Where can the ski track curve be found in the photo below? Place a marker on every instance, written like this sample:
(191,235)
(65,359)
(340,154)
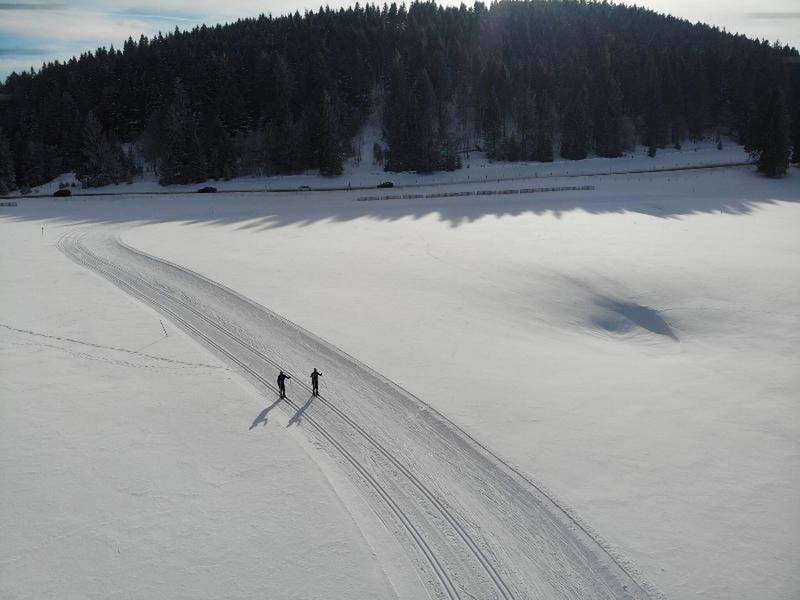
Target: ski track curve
(473,526)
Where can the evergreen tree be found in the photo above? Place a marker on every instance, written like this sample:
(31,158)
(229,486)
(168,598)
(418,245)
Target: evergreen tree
(220,151)
(543,150)
(655,114)
(229,104)
(30,164)
(674,105)
(608,110)
(575,131)
(492,124)
(70,130)
(528,128)
(101,163)
(422,119)
(698,96)
(7,177)
(330,158)
(253,88)
(796,134)
(768,139)
(282,131)
(395,112)
(182,158)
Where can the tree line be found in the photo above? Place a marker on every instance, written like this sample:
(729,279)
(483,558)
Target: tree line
(520,80)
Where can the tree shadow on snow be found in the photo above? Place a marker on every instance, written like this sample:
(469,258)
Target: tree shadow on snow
(735,190)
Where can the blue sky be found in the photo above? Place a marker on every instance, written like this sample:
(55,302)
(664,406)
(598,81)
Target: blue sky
(32,32)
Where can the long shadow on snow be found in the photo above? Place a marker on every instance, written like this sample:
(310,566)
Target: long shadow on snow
(262,417)
(737,191)
(296,417)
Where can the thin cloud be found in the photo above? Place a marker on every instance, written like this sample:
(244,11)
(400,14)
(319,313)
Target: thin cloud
(76,30)
(774,15)
(23,51)
(30,6)
(155,17)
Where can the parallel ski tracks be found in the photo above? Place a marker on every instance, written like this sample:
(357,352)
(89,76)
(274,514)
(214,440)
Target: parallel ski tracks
(70,245)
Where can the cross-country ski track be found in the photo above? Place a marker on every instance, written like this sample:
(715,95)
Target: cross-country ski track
(473,526)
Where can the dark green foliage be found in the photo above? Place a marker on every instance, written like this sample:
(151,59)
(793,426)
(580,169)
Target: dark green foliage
(698,95)
(220,151)
(492,124)
(102,159)
(413,126)
(7,177)
(796,134)
(423,123)
(543,145)
(330,158)
(768,139)
(182,156)
(282,133)
(655,113)
(608,111)
(30,166)
(575,136)
(394,115)
(513,78)
(528,126)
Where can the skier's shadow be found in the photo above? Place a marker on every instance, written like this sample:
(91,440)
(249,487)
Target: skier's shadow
(296,417)
(262,417)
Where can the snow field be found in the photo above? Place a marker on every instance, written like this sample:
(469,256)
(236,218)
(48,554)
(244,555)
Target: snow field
(137,465)
(632,348)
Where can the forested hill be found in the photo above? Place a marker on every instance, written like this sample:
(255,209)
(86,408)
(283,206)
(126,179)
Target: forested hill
(520,80)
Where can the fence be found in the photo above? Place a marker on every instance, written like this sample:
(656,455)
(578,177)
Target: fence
(534,190)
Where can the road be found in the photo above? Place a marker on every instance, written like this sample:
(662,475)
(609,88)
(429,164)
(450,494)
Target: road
(472,525)
(402,186)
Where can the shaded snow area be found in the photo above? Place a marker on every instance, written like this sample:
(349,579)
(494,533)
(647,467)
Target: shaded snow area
(631,349)
(363,173)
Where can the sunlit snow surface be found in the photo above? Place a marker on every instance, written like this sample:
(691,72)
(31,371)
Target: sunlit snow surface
(633,348)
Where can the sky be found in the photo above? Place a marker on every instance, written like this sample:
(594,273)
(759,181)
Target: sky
(34,32)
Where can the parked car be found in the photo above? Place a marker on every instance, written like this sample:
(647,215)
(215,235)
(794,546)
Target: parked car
(209,189)
(386,184)
(60,193)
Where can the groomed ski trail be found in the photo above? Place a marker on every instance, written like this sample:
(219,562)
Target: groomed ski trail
(473,526)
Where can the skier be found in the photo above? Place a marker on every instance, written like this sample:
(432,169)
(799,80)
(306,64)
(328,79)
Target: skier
(315,375)
(282,377)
